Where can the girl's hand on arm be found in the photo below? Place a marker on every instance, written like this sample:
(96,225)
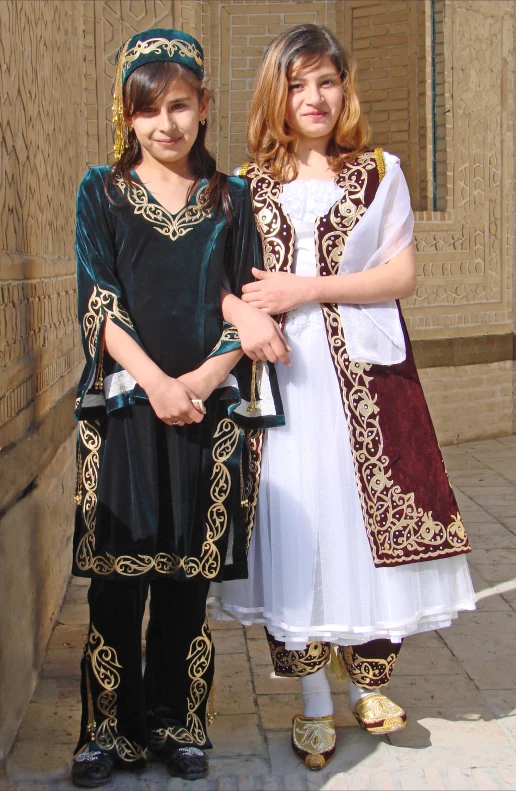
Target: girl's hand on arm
(170,398)
(276,292)
(260,335)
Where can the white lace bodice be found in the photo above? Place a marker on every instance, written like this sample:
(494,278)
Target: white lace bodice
(304,202)
(307,200)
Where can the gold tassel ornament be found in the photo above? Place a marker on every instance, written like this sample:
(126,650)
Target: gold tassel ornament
(337,667)
(211,705)
(253,404)
(121,129)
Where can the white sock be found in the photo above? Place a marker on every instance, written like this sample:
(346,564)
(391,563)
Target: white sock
(355,693)
(316,695)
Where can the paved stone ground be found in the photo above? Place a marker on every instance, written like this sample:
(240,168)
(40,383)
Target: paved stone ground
(458,686)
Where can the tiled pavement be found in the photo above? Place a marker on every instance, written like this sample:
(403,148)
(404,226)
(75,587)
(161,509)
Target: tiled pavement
(458,686)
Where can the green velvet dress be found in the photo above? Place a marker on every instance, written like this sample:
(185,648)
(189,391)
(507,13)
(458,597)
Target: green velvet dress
(156,500)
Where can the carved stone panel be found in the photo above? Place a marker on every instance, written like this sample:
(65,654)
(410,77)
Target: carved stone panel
(42,156)
(464,281)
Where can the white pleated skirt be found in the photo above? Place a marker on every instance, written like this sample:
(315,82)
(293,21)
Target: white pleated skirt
(311,573)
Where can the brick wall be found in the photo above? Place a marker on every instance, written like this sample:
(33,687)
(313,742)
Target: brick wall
(382,37)
(460,398)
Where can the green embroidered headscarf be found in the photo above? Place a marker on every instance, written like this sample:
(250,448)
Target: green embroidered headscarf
(157,44)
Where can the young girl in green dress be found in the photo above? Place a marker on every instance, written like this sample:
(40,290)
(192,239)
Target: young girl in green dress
(161,468)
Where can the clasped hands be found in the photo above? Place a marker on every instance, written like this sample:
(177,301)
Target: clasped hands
(273,293)
(175,401)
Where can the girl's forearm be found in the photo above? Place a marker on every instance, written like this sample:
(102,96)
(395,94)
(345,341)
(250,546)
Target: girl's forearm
(216,369)
(394,280)
(232,307)
(130,356)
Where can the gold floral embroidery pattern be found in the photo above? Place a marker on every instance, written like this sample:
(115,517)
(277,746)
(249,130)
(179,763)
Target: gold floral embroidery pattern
(275,228)
(346,212)
(159,45)
(367,672)
(380,162)
(377,714)
(105,665)
(200,655)
(167,224)
(229,335)
(200,652)
(226,436)
(298,663)
(397,529)
(102,302)
(314,736)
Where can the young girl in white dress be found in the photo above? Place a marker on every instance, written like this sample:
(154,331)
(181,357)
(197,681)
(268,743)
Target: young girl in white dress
(358,541)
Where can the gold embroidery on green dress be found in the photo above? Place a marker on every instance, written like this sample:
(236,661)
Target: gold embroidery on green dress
(159,45)
(172,225)
(105,666)
(208,565)
(229,335)
(194,733)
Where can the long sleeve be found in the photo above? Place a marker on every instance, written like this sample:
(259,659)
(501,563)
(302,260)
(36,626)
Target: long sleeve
(99,291)
(259,403)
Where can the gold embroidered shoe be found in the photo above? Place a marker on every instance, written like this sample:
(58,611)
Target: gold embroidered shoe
(378,714)
(313,739)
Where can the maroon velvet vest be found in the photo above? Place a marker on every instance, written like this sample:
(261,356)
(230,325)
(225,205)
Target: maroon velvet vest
(409,510)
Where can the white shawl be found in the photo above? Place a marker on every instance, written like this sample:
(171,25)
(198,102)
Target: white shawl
(373,332)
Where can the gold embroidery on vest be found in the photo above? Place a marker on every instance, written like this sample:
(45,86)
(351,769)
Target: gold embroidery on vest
(249,495)
(346,212)
(380,162)
(275,227)
(397,529)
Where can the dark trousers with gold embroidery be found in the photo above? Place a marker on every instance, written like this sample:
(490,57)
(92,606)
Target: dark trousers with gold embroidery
(369,665)
(124,710)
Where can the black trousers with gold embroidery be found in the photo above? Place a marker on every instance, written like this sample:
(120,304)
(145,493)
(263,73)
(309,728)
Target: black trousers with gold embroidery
(369,665)
(124,710)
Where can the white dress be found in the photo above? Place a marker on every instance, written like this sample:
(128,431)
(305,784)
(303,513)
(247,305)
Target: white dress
(311,573)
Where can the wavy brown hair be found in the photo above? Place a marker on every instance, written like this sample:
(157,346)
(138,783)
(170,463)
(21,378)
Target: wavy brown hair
(144,87)
(269,137)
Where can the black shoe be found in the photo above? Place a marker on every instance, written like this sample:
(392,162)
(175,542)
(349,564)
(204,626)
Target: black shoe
(190,763)
(92,768)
